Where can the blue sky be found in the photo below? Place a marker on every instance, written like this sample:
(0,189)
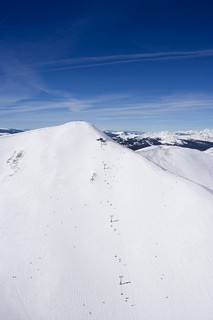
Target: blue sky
(138,65)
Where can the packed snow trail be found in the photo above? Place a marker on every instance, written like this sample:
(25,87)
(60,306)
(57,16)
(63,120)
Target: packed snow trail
(91,230)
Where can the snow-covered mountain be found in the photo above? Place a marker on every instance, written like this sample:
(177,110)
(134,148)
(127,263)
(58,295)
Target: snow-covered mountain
(91,230)
(200,140)
(191,164)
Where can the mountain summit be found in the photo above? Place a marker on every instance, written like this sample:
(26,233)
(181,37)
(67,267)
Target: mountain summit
(91,230)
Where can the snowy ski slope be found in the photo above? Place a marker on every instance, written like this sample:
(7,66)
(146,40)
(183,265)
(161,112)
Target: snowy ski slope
(91,230)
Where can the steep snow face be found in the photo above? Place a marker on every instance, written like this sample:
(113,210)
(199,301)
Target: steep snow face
(90,230)
(191,164)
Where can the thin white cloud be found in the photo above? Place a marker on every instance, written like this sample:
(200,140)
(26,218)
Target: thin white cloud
(67,103)
(114,106)
(84,62)
(17,81)
(21,85)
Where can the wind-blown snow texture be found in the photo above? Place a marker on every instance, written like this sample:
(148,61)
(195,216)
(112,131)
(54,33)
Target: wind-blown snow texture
(191,164)
(77,213)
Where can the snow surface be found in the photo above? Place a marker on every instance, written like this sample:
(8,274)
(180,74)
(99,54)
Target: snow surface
(191,164)
(76,213)
(209,151)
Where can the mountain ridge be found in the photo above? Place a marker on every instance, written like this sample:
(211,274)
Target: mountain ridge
(91,230)
(200,140)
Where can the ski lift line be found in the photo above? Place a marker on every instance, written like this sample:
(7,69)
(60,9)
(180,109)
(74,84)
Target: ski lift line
(124,269)
(111,219)
(121,281)
(114,221)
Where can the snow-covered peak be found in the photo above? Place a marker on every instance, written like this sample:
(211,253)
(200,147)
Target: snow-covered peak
(172,137)
(91,230)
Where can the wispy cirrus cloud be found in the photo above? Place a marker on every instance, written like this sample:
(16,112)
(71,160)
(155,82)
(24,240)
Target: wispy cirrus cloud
(17,81)
(84,62)
(66,102)
(21,84)
(115,106)
(24,93)
(158,107)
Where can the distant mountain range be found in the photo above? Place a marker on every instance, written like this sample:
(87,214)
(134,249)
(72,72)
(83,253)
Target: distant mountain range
(200,140)
(4,131)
